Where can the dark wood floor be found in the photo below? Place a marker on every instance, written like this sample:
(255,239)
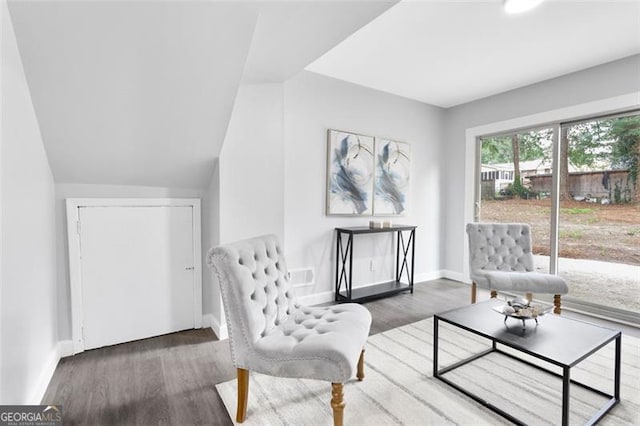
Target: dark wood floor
(171,379)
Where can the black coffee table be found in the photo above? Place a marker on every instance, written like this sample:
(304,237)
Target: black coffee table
(557,340)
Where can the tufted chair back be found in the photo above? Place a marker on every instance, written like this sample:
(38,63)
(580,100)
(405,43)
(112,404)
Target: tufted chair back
(256,290)
(500,247)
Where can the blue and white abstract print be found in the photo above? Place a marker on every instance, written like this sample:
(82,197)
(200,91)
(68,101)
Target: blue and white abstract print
(393,164)
(351,172)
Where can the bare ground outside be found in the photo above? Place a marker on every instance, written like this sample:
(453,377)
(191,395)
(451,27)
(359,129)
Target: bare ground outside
(606,232)
(594,232)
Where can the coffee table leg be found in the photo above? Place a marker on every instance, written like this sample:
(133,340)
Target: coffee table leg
(566,380)
(435,346)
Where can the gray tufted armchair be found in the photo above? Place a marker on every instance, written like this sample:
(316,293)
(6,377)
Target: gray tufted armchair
(500,259)
(270,333)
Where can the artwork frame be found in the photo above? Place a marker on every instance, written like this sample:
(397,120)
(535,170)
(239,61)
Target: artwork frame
(392,189)
(350,173)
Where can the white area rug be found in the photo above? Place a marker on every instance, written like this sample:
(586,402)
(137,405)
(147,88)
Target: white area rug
(399,387)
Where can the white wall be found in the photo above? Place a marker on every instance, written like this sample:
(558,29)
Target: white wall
(211,299)
(593,91)
(272,173)
(68,190)
(315,103)
(28,334)
(251,165)
(3,7)
(245,195)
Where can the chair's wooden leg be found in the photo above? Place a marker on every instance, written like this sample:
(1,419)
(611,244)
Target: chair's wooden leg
(243,394)
(337,403)
(360,374)
(556,304)
(529,296)
(494,294)
(474,289)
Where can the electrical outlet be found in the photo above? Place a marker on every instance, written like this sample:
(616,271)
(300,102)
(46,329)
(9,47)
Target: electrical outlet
(372,265)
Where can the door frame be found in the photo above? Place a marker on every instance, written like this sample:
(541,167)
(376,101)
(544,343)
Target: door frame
(75,273)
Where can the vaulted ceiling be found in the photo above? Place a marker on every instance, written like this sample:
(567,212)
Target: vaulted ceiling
(141,92)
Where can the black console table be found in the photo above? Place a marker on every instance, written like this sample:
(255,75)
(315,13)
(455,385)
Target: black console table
(405,242)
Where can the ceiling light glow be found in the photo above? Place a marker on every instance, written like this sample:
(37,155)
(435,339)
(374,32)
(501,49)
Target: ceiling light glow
(518,6)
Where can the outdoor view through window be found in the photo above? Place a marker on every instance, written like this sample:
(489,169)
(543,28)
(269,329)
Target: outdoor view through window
(599,204)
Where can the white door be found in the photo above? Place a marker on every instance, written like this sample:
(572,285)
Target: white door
(137,272)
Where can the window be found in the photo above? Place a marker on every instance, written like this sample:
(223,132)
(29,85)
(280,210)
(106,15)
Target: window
(595,242)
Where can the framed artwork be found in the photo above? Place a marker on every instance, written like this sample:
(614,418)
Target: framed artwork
(350,173)
(392,173)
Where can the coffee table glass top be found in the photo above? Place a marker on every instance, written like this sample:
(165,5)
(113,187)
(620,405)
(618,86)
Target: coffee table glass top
(557,339)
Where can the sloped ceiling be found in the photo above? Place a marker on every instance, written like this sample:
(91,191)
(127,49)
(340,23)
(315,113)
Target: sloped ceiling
(446,53)
(290,35)
(141,93)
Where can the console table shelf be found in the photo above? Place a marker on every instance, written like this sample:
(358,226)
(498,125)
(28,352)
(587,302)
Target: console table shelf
(405,246)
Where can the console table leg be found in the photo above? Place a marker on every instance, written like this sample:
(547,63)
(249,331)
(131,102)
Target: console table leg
(413,255)
(350,283)
(338,250)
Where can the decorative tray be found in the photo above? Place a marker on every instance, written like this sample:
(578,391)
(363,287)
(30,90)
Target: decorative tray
(522,309)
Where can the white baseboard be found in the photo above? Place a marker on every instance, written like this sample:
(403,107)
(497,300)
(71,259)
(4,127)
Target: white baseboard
(455,276)
(207,320)
(65,348)
(427,276)
(60,350)
(220,330)
(328,296)
(317,298)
